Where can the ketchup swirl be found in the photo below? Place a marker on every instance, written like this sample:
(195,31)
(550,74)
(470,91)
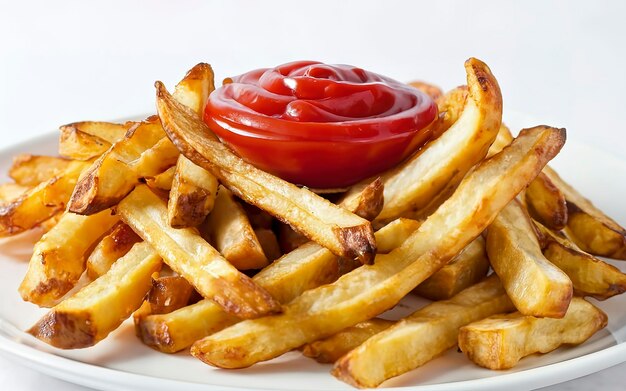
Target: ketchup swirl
(319,103)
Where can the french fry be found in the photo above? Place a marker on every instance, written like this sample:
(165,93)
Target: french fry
(499,342)
(41,202)
(99,308)
(503,139)
(192,194)
(304,268)
(88,140)
(420,337)
(143,152)
(31,170)
(168,293)
(464,270)
(269,243)
(288,239)
(546,202)
(590,276)
(450,107)
(371,289)
(47,225)
(368,202)
(193,258)
(394,234)
(330,349)
(113,245)
(162,181)
(11,191)
(516,257)
(229,230)
(344,233)
(59,256)
(588,226)
(258,218)
(445,160)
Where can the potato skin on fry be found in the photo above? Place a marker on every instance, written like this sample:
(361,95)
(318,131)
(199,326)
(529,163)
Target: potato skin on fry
(115,244)
(371,289)
(546,202)
(93,312)
(499,342)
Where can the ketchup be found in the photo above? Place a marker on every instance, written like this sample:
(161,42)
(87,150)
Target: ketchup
(319,125)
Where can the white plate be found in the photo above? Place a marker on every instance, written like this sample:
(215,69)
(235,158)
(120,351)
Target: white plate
(121,362)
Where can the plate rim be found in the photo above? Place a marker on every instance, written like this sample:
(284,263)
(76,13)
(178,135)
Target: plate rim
(100,377)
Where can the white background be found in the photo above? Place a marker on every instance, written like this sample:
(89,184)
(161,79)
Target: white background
(562,62)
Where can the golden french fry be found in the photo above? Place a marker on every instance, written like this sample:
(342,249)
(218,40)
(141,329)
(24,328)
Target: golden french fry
(420,337)
(31,170)
(162,181)
(466,269)
(304,268)
(269,243)
(371,289)
(503,139)
(335,228)
(113,245)
(193,258)
(516,257)
(546,202)
(88,140)
(444,161)
(590,276)
(47,225)
(168,293)
(229,230)
(41,202)
(450,107)
(10,192)
(368,202)
(99,308)
(499,342)
(588,226)
(192,194)
(330,349)
(394,234)
(143,152)
(59,256)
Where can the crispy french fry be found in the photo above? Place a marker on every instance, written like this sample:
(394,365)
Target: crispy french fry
(466,269)
(330,349)
(516,257)
(47,225)
(394,234)
(192,195)
(588,226)
(420,337)
(335,228)
(162,181)
(304,268)
(229,230)
(499,342)
(143,152)
(269,243)
(546,202)
(31,170)
(372,289)
(88,140)
(368,202)
(113,245)
(503,139)
(99,308)
(590,276)
(41,202)
(444,161)
(11,191)
(450,107)
(193,258)
(168,293)
(58,258)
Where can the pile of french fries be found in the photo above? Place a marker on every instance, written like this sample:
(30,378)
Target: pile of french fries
(160,221)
